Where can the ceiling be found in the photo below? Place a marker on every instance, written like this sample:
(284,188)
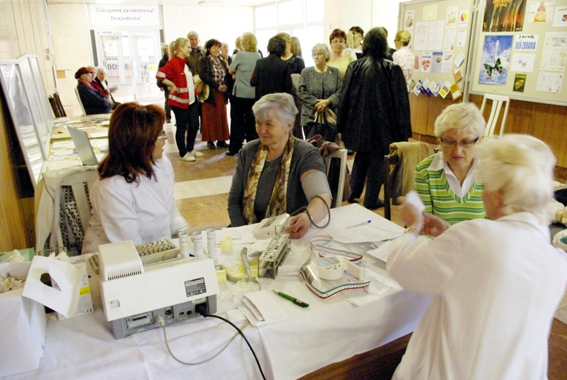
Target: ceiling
(216,3)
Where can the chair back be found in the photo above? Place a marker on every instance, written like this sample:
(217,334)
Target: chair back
(80,101)
(341,155)
(63,208)
(399,170)
(497,102)
(59,105)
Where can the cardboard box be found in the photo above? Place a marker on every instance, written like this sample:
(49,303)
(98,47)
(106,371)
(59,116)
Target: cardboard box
(22,315)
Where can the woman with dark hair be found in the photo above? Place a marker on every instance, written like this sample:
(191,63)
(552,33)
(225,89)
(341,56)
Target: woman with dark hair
(93,101)
(133,197)
(357,37)
(272,74)
(339,57)
(373,113)
(213,71)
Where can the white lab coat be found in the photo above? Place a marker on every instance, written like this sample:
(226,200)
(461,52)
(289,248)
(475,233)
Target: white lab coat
(496,286)
(143,212)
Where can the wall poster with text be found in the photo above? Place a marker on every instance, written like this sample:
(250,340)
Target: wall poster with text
(504,16)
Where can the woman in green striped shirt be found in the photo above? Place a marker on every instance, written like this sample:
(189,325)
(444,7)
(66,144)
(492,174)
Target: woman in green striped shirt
(445,181)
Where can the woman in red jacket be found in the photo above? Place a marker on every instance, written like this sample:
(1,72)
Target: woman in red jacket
(179,80)
(214,72)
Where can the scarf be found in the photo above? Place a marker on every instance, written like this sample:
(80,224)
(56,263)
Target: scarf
(217,70)
(87,83)
(278,200)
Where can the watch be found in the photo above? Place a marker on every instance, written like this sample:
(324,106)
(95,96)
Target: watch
(409,229)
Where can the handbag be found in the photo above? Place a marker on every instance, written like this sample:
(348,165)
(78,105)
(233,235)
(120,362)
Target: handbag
(324,124)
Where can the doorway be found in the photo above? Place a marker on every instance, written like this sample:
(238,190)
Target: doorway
(131,59)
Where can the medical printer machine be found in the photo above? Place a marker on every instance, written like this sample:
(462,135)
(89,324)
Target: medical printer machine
(135,289)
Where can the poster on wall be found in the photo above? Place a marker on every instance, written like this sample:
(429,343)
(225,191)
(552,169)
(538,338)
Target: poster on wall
(504,16)
(495,60)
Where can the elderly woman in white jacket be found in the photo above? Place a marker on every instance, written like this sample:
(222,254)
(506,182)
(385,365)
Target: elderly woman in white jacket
(133,197)
(495,284)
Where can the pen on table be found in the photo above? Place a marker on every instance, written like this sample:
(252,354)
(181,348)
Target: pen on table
(292,299)
(360,224)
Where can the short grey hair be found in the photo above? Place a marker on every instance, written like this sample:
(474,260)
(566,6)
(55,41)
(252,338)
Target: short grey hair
(192,33)
(522,167)
(100,69)
(280,105)
(323,49)
(461,116)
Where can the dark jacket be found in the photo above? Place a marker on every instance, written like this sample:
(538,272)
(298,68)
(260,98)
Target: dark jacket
(194,59)
(271,75)
(161,64)
(93,101)
(374,106)
(205,73)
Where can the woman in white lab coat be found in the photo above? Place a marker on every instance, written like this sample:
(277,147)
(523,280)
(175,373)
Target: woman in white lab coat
(133,198)
(495,284)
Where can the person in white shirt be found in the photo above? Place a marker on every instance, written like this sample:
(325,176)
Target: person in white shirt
(133,197)
(403,56)
(495,284)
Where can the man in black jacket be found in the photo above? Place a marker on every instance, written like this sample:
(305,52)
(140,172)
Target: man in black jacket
(373,113)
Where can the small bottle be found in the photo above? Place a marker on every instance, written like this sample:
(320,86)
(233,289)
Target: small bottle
(198,244)
(212,244)
(184,243)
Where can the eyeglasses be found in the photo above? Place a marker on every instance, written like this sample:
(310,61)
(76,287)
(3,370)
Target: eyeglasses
(462,143)
(338,41)
(162,135)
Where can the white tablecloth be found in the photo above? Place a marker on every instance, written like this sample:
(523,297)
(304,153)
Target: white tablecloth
(327,331)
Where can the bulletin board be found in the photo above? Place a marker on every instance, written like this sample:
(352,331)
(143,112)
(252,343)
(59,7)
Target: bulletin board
(521,51)
(440,41)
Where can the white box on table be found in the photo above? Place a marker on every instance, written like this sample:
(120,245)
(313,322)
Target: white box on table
(22,312)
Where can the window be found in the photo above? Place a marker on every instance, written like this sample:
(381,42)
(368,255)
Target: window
(300,18)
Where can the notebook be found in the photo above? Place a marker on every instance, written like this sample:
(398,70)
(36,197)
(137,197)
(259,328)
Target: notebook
(83,146)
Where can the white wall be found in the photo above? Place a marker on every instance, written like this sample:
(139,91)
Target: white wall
(221,23)
(370,13)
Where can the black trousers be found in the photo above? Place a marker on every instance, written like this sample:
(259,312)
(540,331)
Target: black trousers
(242,123)
(367,167)
(187,121)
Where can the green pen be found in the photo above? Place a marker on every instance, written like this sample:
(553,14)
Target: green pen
(292,299)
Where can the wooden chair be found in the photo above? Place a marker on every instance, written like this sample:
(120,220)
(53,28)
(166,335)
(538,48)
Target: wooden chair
(399,170)
(59,105)
(497,101)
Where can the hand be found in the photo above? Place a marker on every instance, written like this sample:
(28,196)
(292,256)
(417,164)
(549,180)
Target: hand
(410,215)
(434,225)
(222,88)
(161,89)
(322,104)
(298,226)
(172,88)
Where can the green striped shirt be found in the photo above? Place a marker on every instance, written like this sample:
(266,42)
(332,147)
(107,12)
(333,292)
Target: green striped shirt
(438,198)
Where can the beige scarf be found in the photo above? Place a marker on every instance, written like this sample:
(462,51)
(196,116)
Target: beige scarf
(278,200)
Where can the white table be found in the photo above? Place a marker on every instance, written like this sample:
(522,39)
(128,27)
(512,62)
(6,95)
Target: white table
(326,332)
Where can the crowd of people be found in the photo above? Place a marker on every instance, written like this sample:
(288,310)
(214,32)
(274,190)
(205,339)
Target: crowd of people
(493,298)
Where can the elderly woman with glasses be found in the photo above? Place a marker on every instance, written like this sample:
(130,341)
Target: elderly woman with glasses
(494,284)
(278,173)
(445,181)
(133,197)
